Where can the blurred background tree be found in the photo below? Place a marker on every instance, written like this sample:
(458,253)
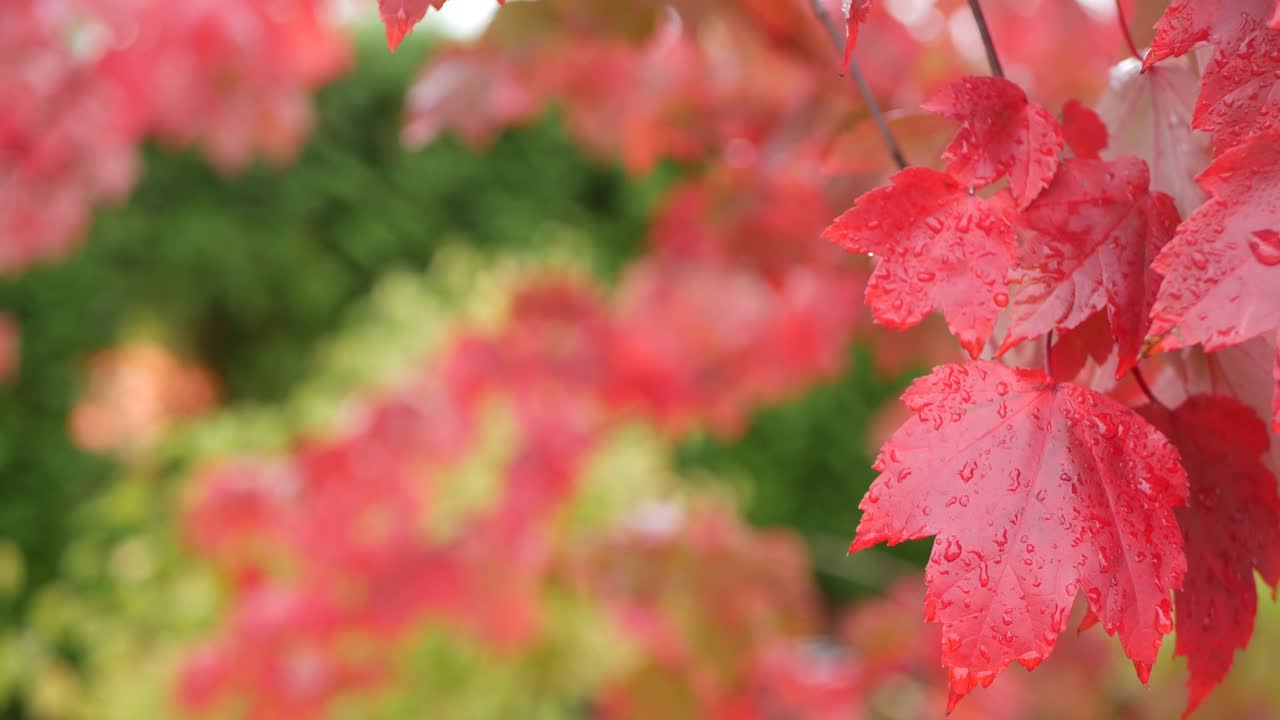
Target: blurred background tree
(248,275)
(279,321)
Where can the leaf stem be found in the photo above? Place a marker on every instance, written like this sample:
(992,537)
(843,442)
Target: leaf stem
(895,150)
(981,19)
(1124,30)
(1146,389)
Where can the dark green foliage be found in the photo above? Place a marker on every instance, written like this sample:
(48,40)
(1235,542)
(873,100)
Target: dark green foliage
(805,465)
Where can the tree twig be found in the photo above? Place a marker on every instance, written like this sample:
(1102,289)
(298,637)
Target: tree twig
(1124,29)
(895,150)
(981,19)
(1146,389)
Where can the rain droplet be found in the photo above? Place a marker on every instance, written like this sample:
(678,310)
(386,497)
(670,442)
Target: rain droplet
(1058,620)
(1265,245)
(1030,659)
(952,551)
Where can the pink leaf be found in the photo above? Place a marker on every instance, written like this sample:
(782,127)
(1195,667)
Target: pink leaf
(1148,114)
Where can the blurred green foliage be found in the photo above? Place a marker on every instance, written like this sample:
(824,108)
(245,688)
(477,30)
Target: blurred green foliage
(106,638)
(248,272)
(805,465)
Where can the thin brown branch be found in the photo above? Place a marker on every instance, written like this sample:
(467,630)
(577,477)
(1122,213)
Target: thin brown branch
(1124,30)
(981,20)
(873,106)
(1146,389)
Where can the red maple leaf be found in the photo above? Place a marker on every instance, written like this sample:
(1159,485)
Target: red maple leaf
(1188,23)
(1084,131)
(856,12)
(1001,133)
(939,247)
(1036,492)
(1239,95)
(1094,233)
(1231,527)
(1222,269)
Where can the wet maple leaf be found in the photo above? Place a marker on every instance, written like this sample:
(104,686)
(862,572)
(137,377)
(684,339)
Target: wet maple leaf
(1149,114)
(1230,528)
(1188,23)
(1001,133)
(1093,235)
(1083,130)
(1239,95)
(1035,492)
(1222,268)
(939,247)
(856,12)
